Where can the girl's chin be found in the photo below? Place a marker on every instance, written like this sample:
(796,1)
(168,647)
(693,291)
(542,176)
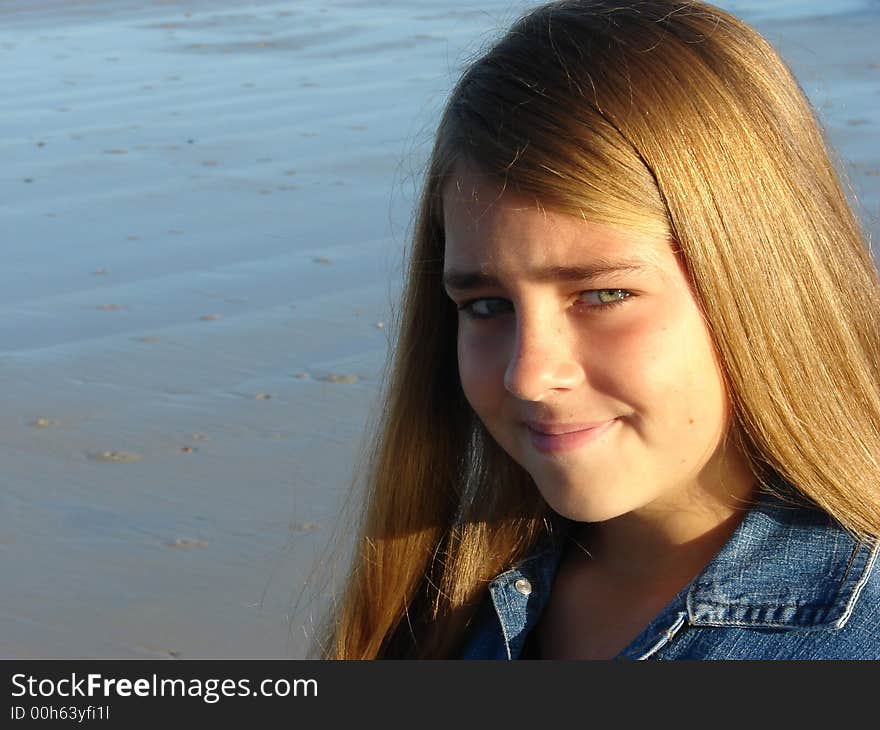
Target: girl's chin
(570,503)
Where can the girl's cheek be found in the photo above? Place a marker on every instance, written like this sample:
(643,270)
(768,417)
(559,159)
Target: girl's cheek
(672,360)
(482,360)
(483,342)
(635,348)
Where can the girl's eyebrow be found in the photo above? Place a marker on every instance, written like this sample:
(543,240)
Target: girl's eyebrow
(469,280)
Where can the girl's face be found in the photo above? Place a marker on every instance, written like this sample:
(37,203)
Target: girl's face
(583,351)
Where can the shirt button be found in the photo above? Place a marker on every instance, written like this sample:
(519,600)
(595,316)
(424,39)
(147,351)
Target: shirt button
(523,586)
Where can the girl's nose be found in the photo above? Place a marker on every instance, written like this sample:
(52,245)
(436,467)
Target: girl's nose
(543,361)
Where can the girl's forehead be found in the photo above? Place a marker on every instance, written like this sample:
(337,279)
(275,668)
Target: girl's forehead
(508,233)
(477,204)
(470,196)
(467,184)
(476,207)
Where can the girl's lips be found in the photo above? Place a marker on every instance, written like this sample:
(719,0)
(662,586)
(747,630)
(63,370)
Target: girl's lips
(565,437)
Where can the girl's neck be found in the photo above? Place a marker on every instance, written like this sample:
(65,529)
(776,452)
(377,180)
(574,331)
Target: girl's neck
(674,538)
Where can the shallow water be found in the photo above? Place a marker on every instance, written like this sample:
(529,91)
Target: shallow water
(203,207)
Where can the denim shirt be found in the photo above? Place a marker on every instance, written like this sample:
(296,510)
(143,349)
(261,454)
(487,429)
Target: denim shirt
(790,583)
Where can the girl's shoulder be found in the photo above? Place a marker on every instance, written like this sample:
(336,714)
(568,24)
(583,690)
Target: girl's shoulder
(791,584)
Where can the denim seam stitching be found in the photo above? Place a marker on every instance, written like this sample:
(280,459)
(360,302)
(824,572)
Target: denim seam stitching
(849,568)
(828,606)
(499,613)
(857,590)
(667,637)
(794,606)
(761,624)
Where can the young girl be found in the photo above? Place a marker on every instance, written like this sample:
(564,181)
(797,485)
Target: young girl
(633,409)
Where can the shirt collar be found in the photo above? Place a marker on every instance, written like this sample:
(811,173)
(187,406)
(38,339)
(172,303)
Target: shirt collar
(784,567)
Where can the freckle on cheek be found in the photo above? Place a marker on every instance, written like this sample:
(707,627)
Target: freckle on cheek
(691,421)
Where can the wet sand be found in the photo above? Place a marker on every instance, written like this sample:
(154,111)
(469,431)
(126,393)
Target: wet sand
(203,208)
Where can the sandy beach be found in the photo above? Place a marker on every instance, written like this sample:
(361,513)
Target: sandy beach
(204,206)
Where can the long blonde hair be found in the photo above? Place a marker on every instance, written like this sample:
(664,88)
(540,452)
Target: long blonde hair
(661,115)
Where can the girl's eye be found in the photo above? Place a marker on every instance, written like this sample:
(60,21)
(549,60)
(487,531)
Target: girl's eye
(486,308)
(489,307)
(605,297)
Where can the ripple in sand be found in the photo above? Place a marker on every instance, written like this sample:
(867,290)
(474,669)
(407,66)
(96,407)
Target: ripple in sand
(303,526)
(44,423)
(173,653)
(115,457)
(340,378)
(187,542)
